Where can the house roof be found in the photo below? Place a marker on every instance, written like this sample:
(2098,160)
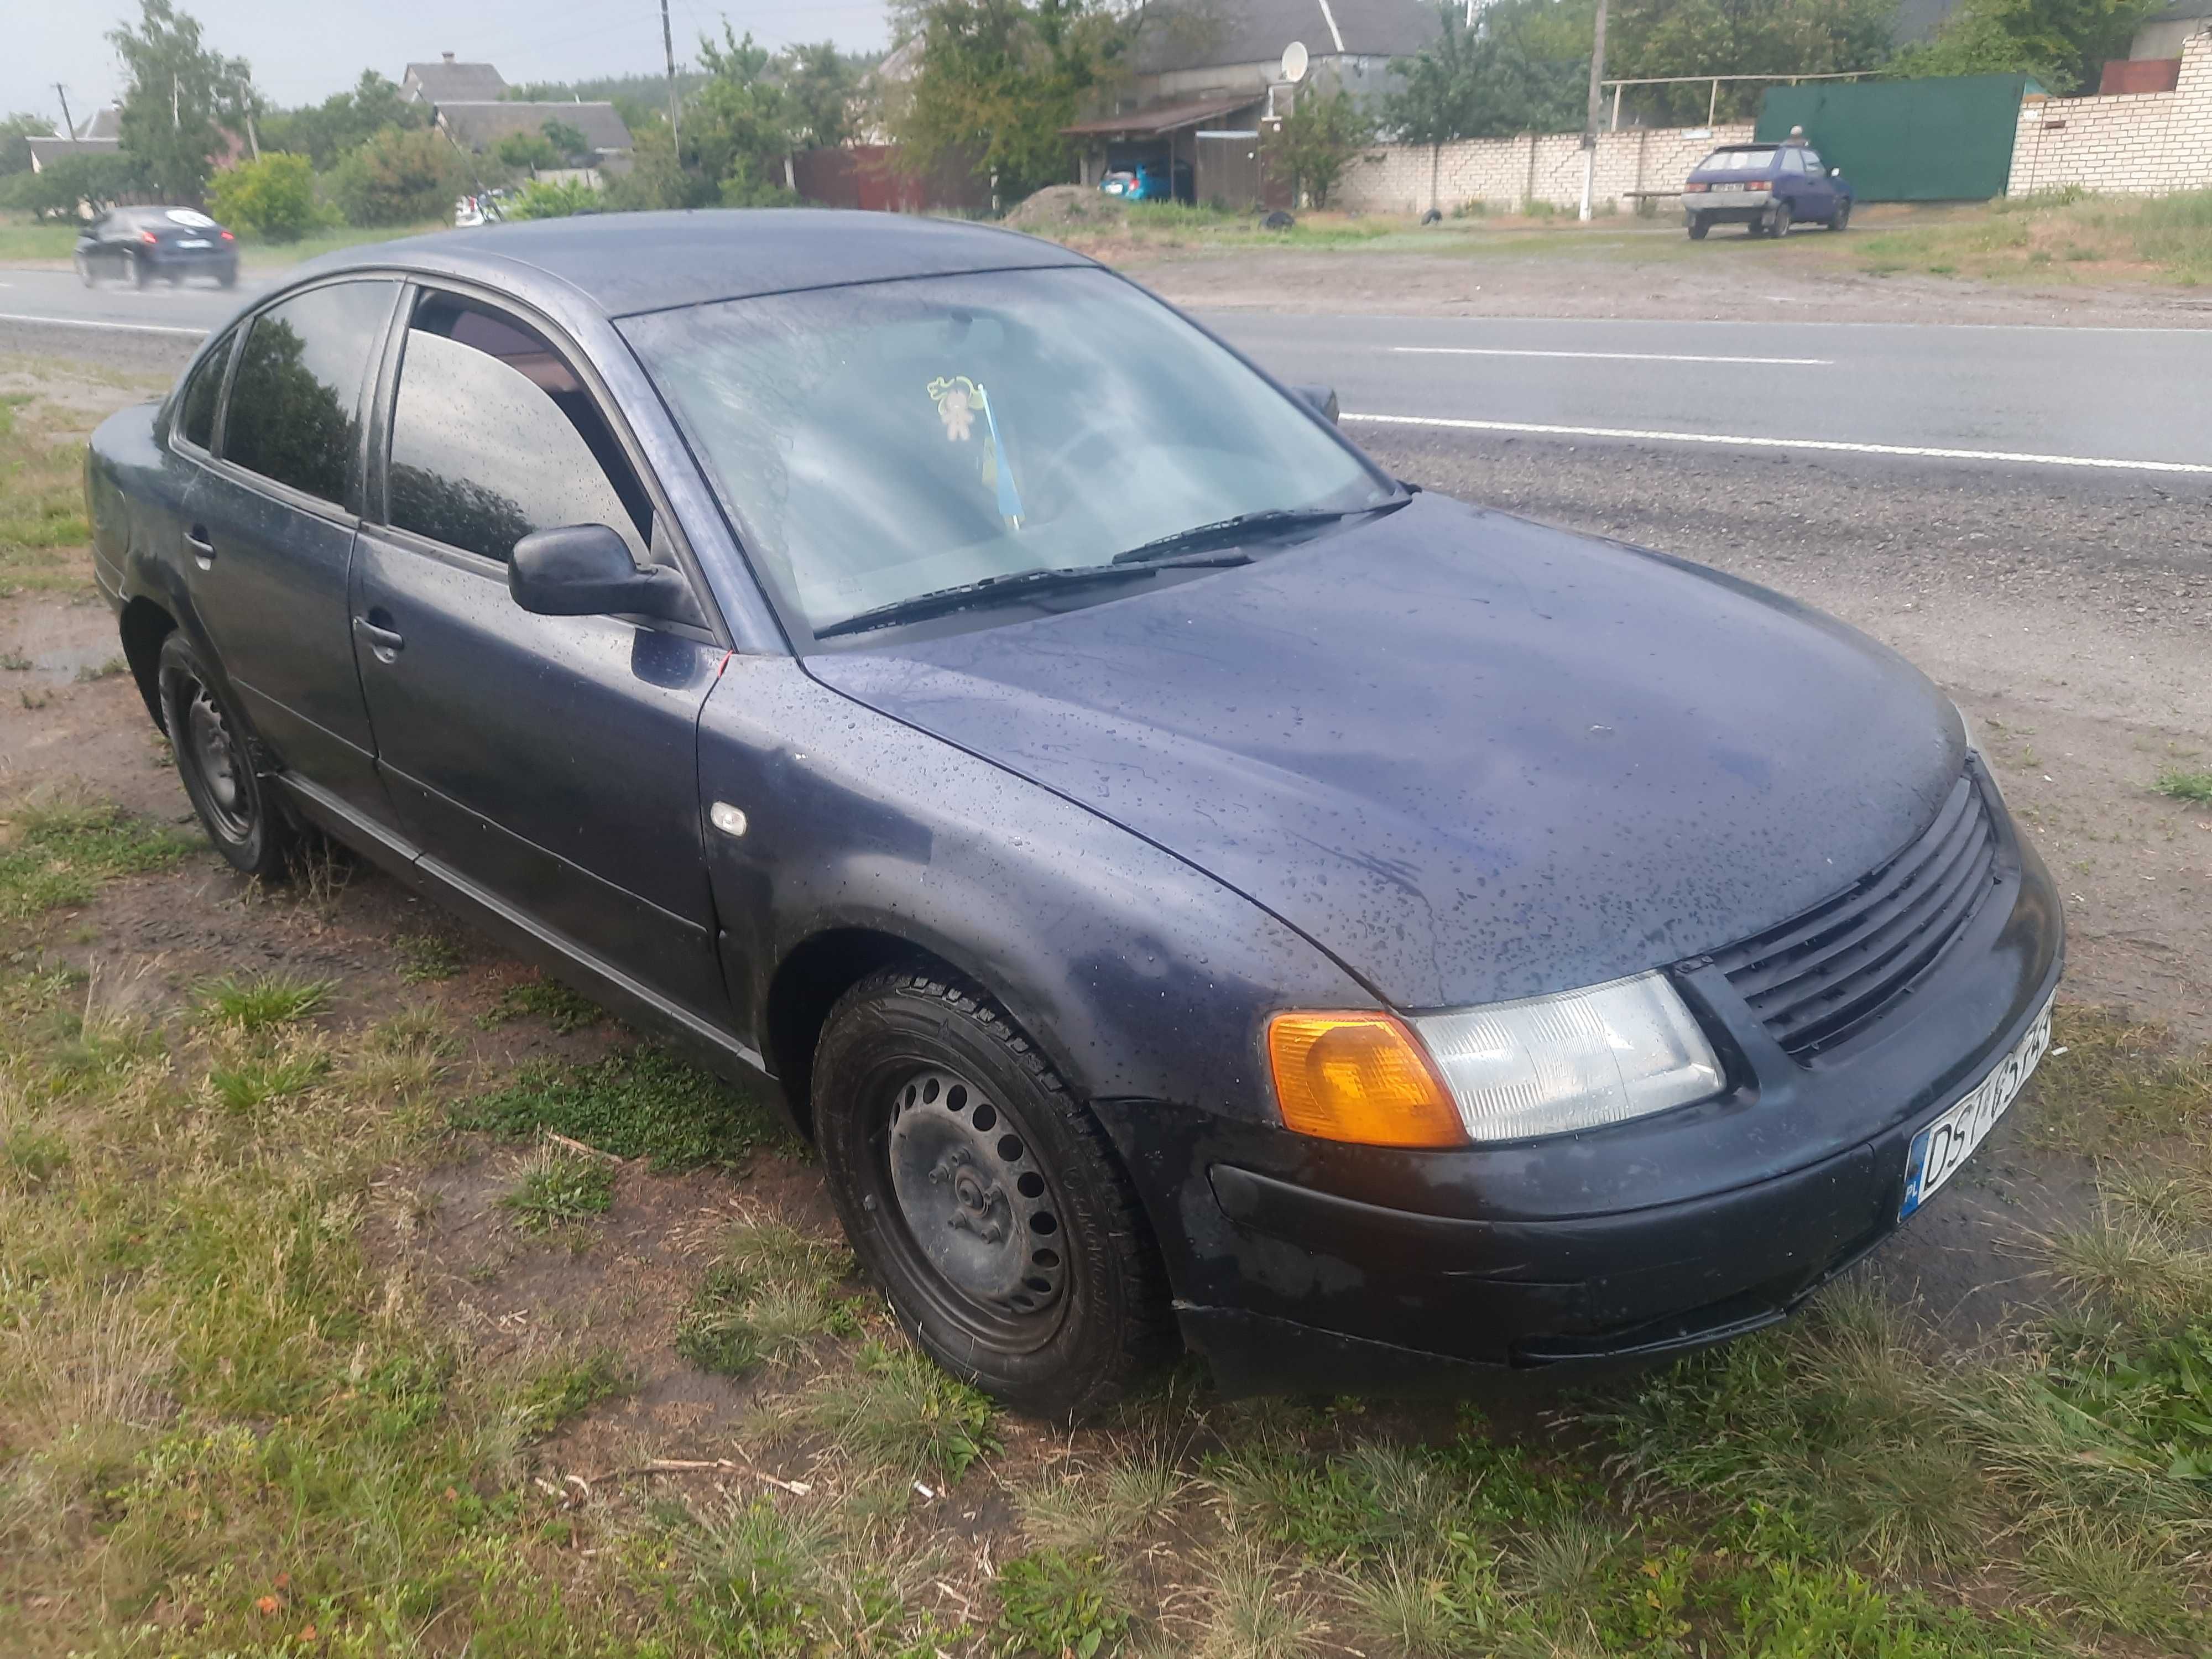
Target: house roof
(481,126)
(46,151)
(1163,118)
(1182,35)
(447,80)
(106,123)
(2181,11)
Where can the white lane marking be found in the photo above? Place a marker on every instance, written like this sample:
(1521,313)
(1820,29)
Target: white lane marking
(1611,356)
(1731,441)
(80,322)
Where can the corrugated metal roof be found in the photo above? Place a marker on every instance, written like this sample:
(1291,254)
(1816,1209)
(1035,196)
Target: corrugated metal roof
(1164,118)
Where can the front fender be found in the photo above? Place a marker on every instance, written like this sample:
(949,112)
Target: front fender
(1137,975)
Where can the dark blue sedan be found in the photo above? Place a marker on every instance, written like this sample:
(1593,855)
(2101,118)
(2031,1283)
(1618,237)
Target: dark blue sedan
(1191,888)
(1765,188)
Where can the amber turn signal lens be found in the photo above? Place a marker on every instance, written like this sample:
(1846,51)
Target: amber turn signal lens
(1359,1076)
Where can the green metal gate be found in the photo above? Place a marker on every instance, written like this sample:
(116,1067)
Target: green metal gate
(1948,140)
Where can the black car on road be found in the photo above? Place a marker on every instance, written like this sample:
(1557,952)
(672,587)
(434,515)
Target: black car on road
(136,244)
(1191,887)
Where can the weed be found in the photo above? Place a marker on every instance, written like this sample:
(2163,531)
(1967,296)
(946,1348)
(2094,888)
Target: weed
(1253,1607)
(636,1102)
(41,497)
(1107,1506)
(251,1081)
(771,1290)
(31,1157)
(1052,1604)
(105,671)
(2113,1577)
(562,1009)
(260,1002)
(2176,784)
(898,1413)
(566,1390)
(60,851)
(427,958)
(558,1188)
(1426,1604)
(14,662)
(2110,1082)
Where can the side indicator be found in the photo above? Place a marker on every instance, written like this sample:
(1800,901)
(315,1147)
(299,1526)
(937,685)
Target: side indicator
(726,818)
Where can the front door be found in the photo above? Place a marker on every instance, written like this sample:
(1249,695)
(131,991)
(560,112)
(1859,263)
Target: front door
(270,527)
(550,763)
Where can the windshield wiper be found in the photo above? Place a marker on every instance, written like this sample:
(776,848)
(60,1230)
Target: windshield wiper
(991,590)
(1246,525)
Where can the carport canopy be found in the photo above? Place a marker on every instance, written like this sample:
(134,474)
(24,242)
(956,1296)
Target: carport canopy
(1159,122)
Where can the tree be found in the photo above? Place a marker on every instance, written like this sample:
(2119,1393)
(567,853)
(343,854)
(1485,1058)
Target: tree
(822,81)
(2062,43)
(544,199)
(56,190)
(568,143)
(1652,37)
(1318,140)
(998,80)
(325,131)
(398,177)
(1502,76)
(15,133)
(273,197)
(738,127)
(525,151)
(181,96)
(1435,104)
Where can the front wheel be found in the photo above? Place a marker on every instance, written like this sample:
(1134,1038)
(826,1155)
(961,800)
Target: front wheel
(984,1199)
(215,760)
(1698,227)
(141,272)
(83,270)
(1841,218)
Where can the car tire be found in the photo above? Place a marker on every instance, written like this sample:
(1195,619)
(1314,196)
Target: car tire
(215,757)
(985,1198)
(1698,227)
(141,272)
(83,270)
(1780,227)
(227,277)
(1841,218)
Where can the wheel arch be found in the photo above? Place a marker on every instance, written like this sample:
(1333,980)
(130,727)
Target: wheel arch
(807,984)
(143,625)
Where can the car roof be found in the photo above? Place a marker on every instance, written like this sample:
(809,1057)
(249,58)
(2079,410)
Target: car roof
(628,263)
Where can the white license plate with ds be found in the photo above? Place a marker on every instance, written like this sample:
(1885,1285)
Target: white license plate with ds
(1938,1150)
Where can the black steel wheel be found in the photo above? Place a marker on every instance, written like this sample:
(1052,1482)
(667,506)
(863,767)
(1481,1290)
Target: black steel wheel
(1780,227)
(1841,219)
(984,1199)
(215,758)
(1698,227)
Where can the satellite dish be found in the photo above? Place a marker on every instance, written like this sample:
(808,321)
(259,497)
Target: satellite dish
(1294,62)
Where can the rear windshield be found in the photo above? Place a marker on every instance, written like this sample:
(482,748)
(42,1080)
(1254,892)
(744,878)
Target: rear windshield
(1738,161)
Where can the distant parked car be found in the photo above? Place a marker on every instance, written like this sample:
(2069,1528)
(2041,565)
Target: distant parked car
(137,244)
(1767,188)
(1149,181)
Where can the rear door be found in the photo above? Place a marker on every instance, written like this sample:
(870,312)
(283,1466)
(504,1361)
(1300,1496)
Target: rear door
(271,530)
(550,763)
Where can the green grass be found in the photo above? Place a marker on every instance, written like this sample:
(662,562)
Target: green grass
(770,1290)
(56,854)
(251,1081)
(2175,784)
(548,999)
(22,238)
(427,958)
(2110,1082)
(559,1188)
(895,1411)
(41,497)
(1052,1604)
(264,1001)
(636,1103)
(25,240)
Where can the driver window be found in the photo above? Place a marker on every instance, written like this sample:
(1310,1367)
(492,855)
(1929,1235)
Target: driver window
(1813,164)
(495,436)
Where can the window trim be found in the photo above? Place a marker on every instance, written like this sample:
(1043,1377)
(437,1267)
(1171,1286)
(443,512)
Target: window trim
(342,513)
(377,435)
(226,345)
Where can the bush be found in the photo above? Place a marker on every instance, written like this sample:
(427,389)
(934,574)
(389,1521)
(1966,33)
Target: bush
(556,199)
(273,197)
(398,177)
(55,192)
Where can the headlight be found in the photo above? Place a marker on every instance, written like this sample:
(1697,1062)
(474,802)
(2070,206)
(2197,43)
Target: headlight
(1548,1065)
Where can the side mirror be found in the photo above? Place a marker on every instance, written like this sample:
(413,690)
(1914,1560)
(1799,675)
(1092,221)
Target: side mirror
(1835,173)
(586,570)
(1322,398)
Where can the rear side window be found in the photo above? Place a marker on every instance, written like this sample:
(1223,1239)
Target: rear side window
(196,418)
(494,436)
(294,410)
(1793,161)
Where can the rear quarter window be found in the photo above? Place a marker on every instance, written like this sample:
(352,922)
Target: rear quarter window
(196,409)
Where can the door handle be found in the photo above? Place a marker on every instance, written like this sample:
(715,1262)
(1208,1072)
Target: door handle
(202,549)
(387,643)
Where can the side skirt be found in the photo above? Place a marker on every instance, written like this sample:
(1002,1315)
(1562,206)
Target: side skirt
(720,1051)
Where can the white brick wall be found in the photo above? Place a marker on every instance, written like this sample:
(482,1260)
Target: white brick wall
(2143,144)
(1509,174)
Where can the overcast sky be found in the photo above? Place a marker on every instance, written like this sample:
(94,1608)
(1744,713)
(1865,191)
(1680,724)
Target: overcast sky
(303,50)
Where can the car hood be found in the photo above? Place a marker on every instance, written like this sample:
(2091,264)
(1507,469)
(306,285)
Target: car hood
(1471,757)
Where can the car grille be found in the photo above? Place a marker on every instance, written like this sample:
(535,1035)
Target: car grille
(1821,978)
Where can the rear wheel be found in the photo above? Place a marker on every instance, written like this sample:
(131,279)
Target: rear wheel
(984,1199)
(216,760)
(83,268)
(1698,227)
(141,272)
(1841,218)
(1781,226)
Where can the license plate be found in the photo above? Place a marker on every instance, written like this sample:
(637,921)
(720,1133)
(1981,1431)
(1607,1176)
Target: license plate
(1938,1150)
(193,242)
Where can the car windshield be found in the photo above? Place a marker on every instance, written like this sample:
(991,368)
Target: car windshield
(1737,161)
(885,441)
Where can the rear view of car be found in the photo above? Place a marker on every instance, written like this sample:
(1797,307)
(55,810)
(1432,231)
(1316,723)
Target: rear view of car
(137,245)
(1765,188)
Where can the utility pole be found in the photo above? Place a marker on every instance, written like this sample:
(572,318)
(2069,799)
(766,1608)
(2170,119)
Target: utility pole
(69,126)
(1596,98)
(246,102)
(176,107)
(668,52)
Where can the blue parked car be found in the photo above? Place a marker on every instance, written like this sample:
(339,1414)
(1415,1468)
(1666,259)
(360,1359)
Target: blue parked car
(1190,886)
(1149,181)
(1765,188)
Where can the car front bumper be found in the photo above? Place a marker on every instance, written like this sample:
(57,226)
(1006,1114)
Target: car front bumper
(1304,1264)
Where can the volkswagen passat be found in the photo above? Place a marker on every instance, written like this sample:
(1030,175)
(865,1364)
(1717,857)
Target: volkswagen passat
(1190,886)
